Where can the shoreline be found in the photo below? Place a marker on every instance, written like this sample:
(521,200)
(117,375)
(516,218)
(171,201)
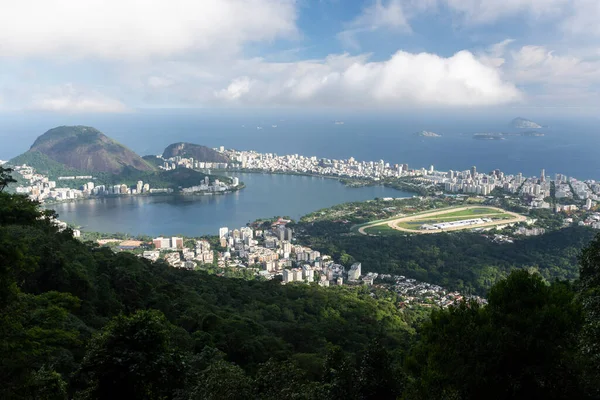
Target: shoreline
(346,181)
(116,196)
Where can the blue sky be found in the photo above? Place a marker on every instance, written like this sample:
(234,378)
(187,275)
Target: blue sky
(82,56)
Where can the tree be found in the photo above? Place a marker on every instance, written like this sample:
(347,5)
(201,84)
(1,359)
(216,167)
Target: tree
(589,345)
(133,357)
(377,377)
(521,345)
(5,178)
(222,381)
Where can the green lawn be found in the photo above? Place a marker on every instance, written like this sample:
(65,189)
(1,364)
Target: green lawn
(383,230)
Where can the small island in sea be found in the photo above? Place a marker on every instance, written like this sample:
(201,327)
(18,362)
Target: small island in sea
(522,123)
(489,136)
(427,134)
(503,135)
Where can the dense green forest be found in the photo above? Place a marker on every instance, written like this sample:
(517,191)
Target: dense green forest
(465,261)
(79,321)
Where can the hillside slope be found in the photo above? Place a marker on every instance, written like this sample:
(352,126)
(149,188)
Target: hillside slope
(198,152)
(85,148)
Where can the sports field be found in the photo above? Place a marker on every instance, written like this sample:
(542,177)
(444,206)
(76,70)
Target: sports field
(463,217)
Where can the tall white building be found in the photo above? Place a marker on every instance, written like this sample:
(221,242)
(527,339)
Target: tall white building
(355,272)
(288,275)
(223,232)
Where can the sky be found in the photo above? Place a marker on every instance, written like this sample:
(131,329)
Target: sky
(118,56)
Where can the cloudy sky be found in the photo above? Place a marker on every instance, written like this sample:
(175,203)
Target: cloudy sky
(111,56)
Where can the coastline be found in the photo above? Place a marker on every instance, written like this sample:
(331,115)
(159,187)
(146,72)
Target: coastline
(346,181)
(161,194)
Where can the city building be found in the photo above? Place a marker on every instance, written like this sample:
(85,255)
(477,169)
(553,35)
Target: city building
(173,243)
(354,272)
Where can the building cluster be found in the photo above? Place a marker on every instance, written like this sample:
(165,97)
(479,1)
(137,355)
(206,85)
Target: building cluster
(529,231)
(473,182)
(455,224)
(534,190)
(174,252)
(215,186)
(592,221)
(40,188)
(413,292)
(272,252)
(183,162)
(299,164)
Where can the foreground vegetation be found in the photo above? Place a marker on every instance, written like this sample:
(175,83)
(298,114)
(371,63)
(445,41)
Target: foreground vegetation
(78,321)
(464,261)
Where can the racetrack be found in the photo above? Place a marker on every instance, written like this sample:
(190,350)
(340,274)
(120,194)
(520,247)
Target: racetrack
(394,224)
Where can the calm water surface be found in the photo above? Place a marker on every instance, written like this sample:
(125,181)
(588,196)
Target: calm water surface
(264,196)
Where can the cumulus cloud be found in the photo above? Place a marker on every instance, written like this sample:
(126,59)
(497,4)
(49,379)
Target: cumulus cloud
(378,15)
(494,55)
(405,79)
(537,64)
(236,89)
(125,29)
(70,99)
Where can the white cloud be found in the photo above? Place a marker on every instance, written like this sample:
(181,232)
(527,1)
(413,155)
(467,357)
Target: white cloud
(126,29)
(404,80)
(236,89)
(537,64)
(494,54)
(70,99)
(378,15)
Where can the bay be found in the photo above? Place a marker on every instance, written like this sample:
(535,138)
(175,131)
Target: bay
(265,195)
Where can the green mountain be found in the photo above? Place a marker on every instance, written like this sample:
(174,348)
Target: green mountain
(196,151)
(80,148)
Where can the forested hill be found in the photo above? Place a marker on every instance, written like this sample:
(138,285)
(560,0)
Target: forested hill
(464,261)
(79,321)
(81,148)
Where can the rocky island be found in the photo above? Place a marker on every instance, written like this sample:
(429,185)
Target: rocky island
(522,123)
(427,134)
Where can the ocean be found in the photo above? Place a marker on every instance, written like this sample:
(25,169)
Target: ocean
(571,145)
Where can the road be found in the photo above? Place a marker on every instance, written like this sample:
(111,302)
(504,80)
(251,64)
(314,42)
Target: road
(394,223)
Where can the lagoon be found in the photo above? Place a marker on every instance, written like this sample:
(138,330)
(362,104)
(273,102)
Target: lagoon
(265,195)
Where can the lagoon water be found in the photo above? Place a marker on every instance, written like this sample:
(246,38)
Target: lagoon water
(265,195)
